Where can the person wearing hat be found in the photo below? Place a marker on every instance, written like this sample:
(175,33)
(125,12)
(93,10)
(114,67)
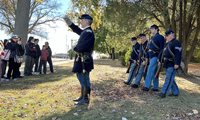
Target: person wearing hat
(143,53)
(133,59)
(155,48)
(84,47)
(172,59)
(12,46)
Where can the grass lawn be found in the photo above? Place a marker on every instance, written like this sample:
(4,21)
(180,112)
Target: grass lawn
(49,97)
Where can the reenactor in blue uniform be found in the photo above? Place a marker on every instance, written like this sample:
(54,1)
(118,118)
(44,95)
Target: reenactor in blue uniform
(154,49)
(172,59)
(83,63)
(143,53)
(133,60)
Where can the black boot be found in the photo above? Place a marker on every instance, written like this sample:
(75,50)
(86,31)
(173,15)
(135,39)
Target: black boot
(81,97)
(85,99)
(89,91)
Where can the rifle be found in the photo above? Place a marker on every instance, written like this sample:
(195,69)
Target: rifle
(147,62)
(129,67)
(139,62)
(146,66)
(158,71)
(159,67)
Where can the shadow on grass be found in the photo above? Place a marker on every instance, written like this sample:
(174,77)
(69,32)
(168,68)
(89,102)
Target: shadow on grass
(112,63)
(190,77)
(111,99)
(29,81)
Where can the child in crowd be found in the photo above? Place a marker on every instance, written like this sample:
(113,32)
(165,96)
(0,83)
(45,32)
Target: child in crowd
(43,60)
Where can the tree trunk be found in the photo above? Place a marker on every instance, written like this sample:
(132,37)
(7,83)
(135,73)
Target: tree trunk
(195,40)
(183,44)
(181,21)
(173,21)
(22,19)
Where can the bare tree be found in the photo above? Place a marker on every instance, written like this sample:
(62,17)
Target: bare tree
(21,20)
(40,14)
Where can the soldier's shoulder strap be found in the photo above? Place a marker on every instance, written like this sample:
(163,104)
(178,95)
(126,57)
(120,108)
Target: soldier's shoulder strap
(155,45)
(88,30)
(170,51)
(135,51)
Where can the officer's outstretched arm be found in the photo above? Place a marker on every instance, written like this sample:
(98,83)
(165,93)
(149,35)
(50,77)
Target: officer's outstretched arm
(67,20)
(75,28)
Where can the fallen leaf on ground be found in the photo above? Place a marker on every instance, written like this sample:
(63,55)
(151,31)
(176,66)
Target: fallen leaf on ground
(195,111)
(123,118)
(75,114)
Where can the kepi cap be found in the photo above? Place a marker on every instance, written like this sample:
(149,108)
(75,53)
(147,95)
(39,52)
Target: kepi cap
(154,26)
(141,35)
(133,38)
(168,32)
(86,16)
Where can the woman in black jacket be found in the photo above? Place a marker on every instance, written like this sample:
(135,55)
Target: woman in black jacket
(19,52)
(30,55)
(38,53)
(4,62)
(12,45)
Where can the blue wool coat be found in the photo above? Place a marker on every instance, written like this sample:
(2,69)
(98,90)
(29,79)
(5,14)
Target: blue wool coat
(85,45)
(159,41)
(175,48)
(135,51)
(144,50)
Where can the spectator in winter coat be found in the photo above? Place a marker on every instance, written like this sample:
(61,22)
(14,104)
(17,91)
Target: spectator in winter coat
(30,55)
(38,53)
(20,52)
(49,57)
(4,62)
(12,45)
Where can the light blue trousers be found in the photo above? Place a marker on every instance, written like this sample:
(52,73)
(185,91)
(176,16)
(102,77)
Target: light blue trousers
(140,74)
(132,73)
(151,74)
(170,82)
(81,79)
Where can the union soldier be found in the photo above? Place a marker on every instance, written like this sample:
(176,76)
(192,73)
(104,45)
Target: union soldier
(172,60)
(84,48)
(143,50)
(133,59)
(154,49)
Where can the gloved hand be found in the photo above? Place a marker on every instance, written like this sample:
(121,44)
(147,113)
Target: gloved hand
(67,20)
